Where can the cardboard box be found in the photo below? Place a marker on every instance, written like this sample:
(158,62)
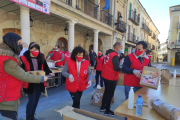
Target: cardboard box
(97,97)
(120,81)
(150,77)
(70,113)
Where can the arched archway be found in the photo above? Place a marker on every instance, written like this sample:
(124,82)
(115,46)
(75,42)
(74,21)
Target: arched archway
(62,42)
(89,44)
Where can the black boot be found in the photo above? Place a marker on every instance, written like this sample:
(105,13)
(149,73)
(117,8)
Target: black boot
(32,117)
(28,117)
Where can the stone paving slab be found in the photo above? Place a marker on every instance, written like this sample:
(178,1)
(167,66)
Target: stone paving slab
(86,104)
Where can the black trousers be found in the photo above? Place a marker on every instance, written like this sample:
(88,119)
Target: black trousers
(110,87)
(9,114)
(76,98)
(33,100)
(92,63)
(98,74)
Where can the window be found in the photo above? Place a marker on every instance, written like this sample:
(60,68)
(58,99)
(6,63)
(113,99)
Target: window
(118,18)
(141,36)
(145,38)
(62,44)
(130,8)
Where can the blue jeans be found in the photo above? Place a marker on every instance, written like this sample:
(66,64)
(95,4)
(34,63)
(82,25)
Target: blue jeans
(127,89)
(92,63)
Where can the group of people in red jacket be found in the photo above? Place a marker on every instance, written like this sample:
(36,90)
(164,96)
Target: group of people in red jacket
(76,70)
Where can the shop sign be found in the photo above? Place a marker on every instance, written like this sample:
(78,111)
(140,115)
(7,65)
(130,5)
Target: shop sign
(39,5)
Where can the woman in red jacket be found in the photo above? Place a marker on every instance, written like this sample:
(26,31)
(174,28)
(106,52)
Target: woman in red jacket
(34,60)
(77,73)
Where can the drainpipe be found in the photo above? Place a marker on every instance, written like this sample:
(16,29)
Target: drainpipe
(114,12)
(126,21)
(114,20)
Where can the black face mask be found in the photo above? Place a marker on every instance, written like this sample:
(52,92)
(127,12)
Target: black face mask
(20,47)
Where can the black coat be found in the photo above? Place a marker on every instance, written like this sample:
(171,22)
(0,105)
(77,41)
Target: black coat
(30,89)
(92,56)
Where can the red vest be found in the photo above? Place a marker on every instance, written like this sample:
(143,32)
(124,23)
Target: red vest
(131,79)
(27,68)
(52,58)
(99,65)
(108,71)
(9,86)
(58,57)
(67,55)
(80,82)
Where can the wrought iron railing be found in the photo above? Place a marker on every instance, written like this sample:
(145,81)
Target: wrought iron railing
(121,26)
(88,7)
(69,2)
(131,38)
(106,17)
(145,28)
(133,17)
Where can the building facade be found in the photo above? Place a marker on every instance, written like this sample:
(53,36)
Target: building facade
(79,22)
(174,35)
(163,52)
(76,17)
(140,27)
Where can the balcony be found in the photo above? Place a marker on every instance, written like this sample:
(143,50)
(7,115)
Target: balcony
(154,36)
(145,28)
(68,2)
(121,26)
(87,7)
(106,17)
(178,25)
(134,18)
(132,38)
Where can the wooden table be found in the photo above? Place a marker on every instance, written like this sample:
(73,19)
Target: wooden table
(51,78)
(170,94)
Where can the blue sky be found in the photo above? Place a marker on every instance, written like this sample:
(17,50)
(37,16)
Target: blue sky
(158,10)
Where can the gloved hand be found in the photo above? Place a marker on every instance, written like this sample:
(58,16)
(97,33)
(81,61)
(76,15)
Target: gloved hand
(137,73)
(71,78)
(89,84)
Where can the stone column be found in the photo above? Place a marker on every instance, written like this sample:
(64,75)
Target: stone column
(169,57)
(71,35)
(74,3)
(98,9)
(25,24)
(96,32)
(129,50)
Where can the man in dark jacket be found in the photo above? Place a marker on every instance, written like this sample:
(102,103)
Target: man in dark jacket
(133,66)
(110,74)
(92,56)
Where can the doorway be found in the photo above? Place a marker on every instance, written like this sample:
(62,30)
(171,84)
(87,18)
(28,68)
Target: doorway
(62,44)
(17,31)
(177,58)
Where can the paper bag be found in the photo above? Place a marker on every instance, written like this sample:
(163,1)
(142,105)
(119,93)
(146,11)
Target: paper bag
(150,77)
(98,96)
(165,77)
(120,81)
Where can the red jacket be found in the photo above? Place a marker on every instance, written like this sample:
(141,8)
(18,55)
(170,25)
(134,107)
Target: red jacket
(9,86)
(67,55)
(99,63)
(80,82)
(52,58)
(131,79)
(27,68)
(58,57)
(108,71)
